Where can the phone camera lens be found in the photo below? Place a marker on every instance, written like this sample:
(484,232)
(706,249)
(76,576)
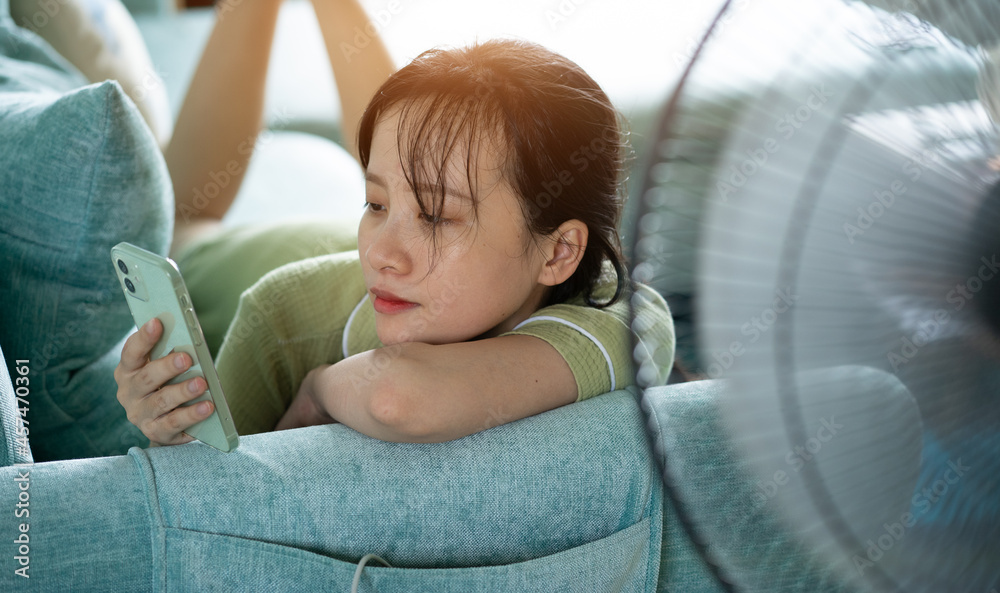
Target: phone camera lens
(122,267)
(129,285)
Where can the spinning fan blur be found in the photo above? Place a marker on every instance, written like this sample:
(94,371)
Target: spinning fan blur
(825,193)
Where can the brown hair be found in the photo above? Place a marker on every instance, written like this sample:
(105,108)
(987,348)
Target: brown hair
(564,145)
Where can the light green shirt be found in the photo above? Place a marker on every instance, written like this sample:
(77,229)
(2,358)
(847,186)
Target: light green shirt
(315,311)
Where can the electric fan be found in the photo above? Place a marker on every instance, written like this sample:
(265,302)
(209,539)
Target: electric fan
(821,208)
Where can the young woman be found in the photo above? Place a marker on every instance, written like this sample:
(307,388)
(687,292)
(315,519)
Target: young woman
(488,284)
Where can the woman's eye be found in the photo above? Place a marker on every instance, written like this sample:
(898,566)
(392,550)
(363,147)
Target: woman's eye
(432,220)
(373,207)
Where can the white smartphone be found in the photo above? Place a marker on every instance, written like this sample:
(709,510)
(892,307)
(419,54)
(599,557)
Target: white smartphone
(153,287)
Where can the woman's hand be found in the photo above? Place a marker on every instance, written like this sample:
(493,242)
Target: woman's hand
(150,404)
(306,409)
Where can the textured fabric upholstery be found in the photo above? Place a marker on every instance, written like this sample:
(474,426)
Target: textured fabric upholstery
(70,157)
(295,510)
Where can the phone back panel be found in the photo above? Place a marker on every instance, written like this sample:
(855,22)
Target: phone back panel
(157,290)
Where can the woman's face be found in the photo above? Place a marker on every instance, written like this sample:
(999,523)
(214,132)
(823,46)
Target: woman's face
(478,279)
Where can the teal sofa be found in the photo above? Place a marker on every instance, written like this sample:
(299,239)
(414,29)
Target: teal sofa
(569,500)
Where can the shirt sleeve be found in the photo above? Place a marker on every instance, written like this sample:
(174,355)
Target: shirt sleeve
(219,267)
(597,343)
(288,323)
(248,366)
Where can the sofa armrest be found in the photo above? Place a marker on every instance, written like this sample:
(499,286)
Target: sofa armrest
(721,481)
(569,496)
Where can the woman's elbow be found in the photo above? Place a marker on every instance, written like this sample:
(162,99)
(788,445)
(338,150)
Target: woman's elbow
(395,404)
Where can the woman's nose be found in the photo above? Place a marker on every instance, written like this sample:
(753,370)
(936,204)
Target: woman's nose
(388,247)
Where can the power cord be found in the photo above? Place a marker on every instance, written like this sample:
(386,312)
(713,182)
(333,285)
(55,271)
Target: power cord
(361,566)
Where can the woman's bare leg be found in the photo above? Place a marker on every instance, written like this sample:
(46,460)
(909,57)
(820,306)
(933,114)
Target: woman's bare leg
(221,116)
(223,110)
(360,61)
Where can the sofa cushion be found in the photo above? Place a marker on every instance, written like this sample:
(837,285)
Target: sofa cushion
(568,500)
(80,171)
(102,41)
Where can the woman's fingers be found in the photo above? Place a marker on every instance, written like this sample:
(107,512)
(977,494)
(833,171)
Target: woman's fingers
(158,372)
(152,405)
(137,347)
(163,417)
(136,374)
(169,428)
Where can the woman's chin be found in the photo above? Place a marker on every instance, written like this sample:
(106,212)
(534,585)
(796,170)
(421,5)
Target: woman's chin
(390,335)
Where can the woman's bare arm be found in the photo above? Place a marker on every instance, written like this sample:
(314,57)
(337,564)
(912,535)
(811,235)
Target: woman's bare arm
(222,113)
(417,392)
(221,116)
(360,61)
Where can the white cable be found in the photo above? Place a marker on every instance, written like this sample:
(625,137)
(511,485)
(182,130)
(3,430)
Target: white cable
(361,566)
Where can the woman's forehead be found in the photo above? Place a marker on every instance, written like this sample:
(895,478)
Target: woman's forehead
(439,153)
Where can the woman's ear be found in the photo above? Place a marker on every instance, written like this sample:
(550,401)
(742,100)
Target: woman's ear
(563,251)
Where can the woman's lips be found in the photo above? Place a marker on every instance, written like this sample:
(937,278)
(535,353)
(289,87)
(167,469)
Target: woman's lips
(388,303)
